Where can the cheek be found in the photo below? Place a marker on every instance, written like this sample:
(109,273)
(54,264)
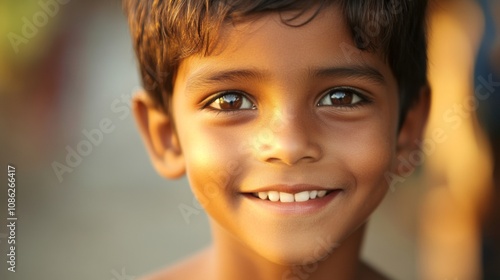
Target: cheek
(370,157)
(364,151)
(213,166)
(370,163)
(376,145)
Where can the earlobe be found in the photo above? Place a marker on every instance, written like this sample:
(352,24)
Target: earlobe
(412,131)
(159,135)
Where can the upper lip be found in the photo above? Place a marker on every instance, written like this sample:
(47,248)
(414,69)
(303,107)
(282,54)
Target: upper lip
(297,188)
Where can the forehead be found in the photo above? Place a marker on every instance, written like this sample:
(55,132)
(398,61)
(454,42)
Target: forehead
(266,47)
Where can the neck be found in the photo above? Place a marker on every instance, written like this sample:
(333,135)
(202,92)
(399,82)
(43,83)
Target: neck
(233,260)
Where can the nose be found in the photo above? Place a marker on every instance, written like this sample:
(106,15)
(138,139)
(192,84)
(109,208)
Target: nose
(288,139)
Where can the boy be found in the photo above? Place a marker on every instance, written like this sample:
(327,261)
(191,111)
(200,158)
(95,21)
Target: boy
(287,117)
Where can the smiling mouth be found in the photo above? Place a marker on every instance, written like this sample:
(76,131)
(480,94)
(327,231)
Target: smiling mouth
(284,197)
(296,200)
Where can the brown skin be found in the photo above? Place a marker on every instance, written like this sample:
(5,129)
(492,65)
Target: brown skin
(277,134)
(203,266)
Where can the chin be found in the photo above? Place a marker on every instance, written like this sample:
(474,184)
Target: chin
(300,253)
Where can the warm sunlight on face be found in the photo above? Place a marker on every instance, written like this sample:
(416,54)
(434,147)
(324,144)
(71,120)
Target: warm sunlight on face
(287,137)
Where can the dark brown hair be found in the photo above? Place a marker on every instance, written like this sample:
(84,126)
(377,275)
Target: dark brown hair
(166,31)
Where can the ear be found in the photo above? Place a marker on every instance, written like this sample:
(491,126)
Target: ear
(412,131)
(159,135)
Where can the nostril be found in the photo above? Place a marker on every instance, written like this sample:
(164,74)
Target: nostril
(288,147)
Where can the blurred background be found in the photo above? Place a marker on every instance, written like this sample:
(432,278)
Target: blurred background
(90,206)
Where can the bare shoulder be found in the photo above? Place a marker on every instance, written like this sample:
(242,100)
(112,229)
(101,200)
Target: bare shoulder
(367,272)
(193,267)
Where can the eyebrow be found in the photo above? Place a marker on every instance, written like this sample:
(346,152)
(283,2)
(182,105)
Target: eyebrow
(356,71)
(208,77)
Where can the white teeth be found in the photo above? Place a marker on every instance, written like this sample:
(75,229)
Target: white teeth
(303,196)
(262,195)
(321,193)
(274,196)
(313,194)
(286,197)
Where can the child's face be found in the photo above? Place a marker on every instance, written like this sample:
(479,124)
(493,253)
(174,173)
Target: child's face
(290,109)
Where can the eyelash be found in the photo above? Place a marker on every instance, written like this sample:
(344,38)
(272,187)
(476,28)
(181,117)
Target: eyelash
(206,105)
(364,100)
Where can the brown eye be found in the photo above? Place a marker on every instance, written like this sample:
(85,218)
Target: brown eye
(340,97)
(229,102)
(232,101)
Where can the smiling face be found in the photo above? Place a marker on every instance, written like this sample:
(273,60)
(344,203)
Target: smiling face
(284,134)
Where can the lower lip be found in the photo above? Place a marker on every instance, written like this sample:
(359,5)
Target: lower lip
(294,208)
